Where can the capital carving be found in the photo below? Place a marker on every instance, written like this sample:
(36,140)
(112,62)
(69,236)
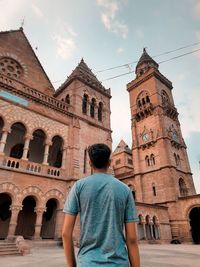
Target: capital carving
(40,210)
(16,207)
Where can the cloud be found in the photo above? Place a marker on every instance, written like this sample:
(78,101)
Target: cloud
(38,12)
(196,9)
(120,50)
(109,9)
(13,11)
(65,40)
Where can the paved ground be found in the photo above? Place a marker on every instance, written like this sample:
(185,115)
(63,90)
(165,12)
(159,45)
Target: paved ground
(151,256)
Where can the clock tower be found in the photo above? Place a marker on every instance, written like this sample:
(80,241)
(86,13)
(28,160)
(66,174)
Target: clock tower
(161,167)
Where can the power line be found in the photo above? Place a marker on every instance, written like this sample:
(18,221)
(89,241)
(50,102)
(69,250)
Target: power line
(158,55)
(161,62)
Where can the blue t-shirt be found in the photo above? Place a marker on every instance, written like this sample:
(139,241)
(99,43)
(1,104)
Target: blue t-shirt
(104,204)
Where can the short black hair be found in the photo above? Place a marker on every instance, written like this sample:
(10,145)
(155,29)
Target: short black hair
(99,155)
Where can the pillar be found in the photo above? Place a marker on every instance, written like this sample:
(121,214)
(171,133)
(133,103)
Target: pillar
(13,220)
(26,146)
(144,229)
(38,223)
(64,154)
(3,140)
(46,153)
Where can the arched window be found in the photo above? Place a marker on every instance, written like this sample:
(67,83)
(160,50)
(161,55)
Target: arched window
(178,160)
(154,189)
(15,141)
(85,161)
(147,161)
(84,104)
(143,99)
(92,108)
(55,152)
(133,191)
(67,99)
(182,188)
(148,227)
(155,226)
(152,160)
(37,145)
(100,110)
(165,98)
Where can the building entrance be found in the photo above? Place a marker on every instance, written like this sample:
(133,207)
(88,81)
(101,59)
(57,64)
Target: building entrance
(49,220)
(195,223)
(26,218)
(5,214)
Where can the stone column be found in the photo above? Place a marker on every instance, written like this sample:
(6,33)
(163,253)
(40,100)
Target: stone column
(13,220)
(26,147)
(3,140)
(64,155)
(144,229)
(38,224)
(46,153)
(151,230)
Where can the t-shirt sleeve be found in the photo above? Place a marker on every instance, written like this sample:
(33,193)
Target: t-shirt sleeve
(72,203)
(130,211)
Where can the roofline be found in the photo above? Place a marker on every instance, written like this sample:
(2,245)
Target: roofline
(22,31)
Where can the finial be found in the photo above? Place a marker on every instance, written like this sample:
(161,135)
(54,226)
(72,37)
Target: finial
(22,23)
(144,49)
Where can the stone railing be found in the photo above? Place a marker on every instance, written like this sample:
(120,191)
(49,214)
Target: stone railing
(25,166)
(28,92)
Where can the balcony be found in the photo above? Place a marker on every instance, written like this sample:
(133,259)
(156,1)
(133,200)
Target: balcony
(25,166)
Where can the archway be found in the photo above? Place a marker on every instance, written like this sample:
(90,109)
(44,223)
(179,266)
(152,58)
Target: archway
(156,234)
(15,142)
(141,234)
(55,152)
(49,220)
(26,218)
(148,228)
(1,126)
(5,214)
(195,223)
(37,145)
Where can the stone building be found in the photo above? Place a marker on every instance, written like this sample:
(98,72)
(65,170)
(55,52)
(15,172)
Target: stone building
(44,135)
(157,168)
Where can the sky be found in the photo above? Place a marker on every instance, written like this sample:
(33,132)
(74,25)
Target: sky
(108,33)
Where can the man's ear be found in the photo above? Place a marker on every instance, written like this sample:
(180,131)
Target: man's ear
(109,163)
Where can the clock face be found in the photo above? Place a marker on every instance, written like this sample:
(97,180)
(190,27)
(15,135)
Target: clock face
(145,137)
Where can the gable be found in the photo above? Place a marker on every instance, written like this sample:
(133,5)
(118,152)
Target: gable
(18,60)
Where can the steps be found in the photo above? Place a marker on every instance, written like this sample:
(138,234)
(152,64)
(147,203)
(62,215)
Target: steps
(8,248)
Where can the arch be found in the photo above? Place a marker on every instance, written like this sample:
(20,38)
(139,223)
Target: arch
(15,141)
(165,98)
(175,157)
(141,233)
(155,228)
(55,152)
(35,192)
(142,99)
(100,111)
(67,99)
(182,187)
(92,107)
(49,219)
(147,160)
(148,227)
(84,104)
(27,218)
(5,214)
(11,189)
(1,126)
(37,146)
(152,160)
(56,194)
(194,217)
(132,188)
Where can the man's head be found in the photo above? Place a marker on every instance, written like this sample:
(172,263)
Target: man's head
(99,155)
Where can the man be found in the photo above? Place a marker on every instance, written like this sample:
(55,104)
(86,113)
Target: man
(105,205)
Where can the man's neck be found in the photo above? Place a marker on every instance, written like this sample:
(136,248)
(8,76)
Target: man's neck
(100,170)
